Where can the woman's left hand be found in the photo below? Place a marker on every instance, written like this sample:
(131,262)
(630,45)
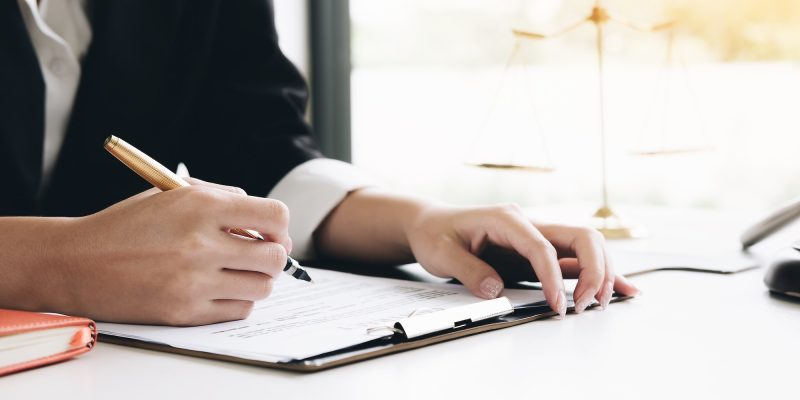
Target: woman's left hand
(453,242)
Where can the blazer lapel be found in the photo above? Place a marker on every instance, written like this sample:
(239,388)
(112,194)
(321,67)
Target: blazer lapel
(22,94)
(121,92)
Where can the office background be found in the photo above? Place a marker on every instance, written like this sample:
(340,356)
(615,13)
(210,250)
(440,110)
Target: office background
(425,77)
(402,88)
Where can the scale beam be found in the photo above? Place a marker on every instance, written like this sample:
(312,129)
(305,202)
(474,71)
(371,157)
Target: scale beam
(605,219)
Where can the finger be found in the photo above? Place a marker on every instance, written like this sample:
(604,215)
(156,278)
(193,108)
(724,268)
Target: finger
(242,285)
(285,241)
(589,249)
(200,182)
(607,288)
(570,268)
(518,233)
(477,276)
(288,245)
(252,255)
(624,287)
(268,216)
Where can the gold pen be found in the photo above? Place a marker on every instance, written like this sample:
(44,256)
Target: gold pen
(164,179)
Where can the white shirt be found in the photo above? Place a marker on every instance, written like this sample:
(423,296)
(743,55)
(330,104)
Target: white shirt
(61,34)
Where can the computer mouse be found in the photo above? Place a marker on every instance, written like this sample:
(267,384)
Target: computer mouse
(783,272)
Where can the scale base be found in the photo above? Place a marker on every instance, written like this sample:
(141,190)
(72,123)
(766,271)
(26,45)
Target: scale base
(613,227)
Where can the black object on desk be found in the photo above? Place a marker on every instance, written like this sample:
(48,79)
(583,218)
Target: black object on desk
(783,273)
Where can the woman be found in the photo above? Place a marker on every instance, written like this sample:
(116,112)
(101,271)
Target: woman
(206,84)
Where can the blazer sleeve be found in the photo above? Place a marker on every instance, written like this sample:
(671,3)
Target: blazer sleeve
(247,124)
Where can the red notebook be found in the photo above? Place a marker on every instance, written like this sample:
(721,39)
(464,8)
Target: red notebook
(29,340)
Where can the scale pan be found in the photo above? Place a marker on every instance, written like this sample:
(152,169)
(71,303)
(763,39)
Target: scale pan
(515,167)
(669,151)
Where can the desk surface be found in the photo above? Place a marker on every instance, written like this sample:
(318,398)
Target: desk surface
(696,334)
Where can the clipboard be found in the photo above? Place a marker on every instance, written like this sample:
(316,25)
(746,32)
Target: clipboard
(406,334)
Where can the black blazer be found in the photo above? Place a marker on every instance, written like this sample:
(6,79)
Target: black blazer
(200,82)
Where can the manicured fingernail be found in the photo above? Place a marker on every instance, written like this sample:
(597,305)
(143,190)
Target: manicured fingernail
(582,304)
(607,295)
(561,304)
(491,287)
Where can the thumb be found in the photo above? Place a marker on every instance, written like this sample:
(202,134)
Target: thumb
(476,275)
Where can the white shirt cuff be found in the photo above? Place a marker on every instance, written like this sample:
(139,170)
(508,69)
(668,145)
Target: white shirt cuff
(311,191)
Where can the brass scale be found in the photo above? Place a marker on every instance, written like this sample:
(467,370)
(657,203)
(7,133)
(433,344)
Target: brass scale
(604,219)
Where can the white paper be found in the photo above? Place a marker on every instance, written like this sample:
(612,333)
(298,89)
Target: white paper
(632,262)
(301,320)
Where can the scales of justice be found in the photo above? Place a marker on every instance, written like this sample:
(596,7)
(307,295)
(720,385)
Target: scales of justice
(604,219)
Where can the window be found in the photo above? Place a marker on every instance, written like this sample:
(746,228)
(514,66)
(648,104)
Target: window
(429,95)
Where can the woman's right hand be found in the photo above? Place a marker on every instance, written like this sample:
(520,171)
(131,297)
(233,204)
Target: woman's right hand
(162,258)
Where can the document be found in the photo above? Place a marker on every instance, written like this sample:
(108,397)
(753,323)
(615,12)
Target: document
(631,263)
(301,320)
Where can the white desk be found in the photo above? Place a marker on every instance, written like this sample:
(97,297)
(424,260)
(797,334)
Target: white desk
(691,335)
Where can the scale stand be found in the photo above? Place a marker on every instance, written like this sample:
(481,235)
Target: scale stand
(605,219)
